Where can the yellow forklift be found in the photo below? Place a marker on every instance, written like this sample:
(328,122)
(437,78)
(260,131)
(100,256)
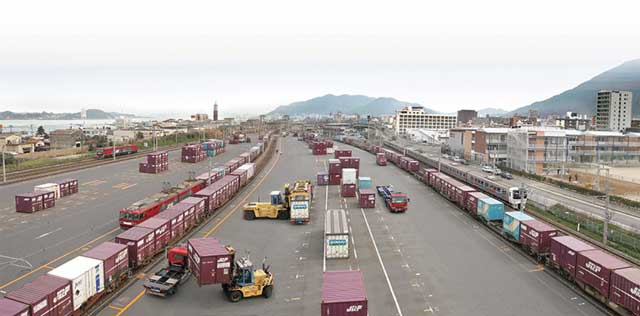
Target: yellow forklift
(294,204)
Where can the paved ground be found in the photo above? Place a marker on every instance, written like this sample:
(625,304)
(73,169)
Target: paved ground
(89,215)
(431,260)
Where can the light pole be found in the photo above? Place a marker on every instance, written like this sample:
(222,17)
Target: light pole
(4,171)
(607,213)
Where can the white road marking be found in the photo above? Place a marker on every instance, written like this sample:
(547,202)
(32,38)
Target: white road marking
(49,233)
(324,245)
(384,270)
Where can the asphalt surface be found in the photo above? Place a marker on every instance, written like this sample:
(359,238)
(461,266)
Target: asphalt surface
(433,259)
(90,215)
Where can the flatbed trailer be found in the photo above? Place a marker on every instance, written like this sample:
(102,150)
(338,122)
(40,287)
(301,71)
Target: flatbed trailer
(166,281)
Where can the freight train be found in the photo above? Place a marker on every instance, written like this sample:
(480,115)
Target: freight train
(78,285)
(107,152)
(601,275)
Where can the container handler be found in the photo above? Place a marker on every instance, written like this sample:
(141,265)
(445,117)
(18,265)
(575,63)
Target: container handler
(166,281)
(294,204)
(395,201)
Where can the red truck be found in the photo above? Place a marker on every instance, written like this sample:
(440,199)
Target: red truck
(395,201)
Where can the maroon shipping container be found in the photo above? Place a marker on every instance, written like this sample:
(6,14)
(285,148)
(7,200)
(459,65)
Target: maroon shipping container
(345,162)
(13,308)
(199,207)
(246,158)
(354,162)
(537,235)
(348,190)
(140,243)
(71,186)
(48,199)
(471,204)
(47,295)
(115,259)
(381,160)
(462,194)
(176,222)
(594,269)
(188,213)
(564,250)
(210,261)
(212,196)
(322,179)
(242,176)
(343,294)
(341,153)
(367,198)
(162,230)
(414,165)
(335,179)
(625,289)
(29,202)
(334,166)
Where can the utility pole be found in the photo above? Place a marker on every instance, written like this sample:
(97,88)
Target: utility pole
(607,213)
(209,178)
(114,150)
(522,192)
(4,171)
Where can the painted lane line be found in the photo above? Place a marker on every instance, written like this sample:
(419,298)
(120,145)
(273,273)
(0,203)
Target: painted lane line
(49,233)
(384,270)
(129,186)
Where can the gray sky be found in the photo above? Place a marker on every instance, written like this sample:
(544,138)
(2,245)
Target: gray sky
(168,56)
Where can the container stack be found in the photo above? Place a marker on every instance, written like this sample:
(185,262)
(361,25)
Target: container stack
(348,182)
(193,153)
(319,148)
(156,162)
(335,172)
(213,147)
(341,153)
(364,183)
(322,178)
(367,198)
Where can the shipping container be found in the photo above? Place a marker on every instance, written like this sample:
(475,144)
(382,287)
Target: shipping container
(491,209)
(68,186)
(625,289)
(242,176)
(13,308)
(511,223)
(414,166)
(250,168)
(336,235)
(29,202)
(322,179)
(162,231)
(188,212)
(381,160)
(348,190)
(367,198)
(115,262)
(210,261)
(536,236)
(564,250)
(593,270)
(334,166)
(199,207)
(48,187)
(140,243)
(212,196)
(86,276)
(335,179)
(48,200)
(471,204)
(343,294)
(354,162)
(342,153)
(46,295)
(349,176)
(365,183)
(176,222)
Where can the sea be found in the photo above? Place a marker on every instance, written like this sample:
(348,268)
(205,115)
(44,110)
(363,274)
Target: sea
(29,126)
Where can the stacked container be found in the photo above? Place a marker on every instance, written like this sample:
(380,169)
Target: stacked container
(341,153)
(364,183)
(210,262)
(343,293)
(322,178)
(213,147)
(193,153)
(156,162)
(47,295)
(348,182)
(319,148)
(335,172)
(336,234)
(381,159)
(367,198)
(511,223)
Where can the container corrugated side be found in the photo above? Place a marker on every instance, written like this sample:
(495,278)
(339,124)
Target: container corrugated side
(336,234)
(115,260)
(86,276)
(12,308)
(343,294)
(625,289)
(46,295)
(210,261)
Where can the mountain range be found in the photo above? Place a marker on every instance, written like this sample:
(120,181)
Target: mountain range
(92,114)
(348,104)
(582,99)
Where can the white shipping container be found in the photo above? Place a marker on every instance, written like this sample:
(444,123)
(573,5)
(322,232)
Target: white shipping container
(330,150)
(336,234)
(349,176)
(86,276)
(299,210)
(251,169)
(48,187)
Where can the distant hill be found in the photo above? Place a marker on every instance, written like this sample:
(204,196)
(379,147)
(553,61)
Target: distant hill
(582,99)
(491,112)
(348,104)
(92,114)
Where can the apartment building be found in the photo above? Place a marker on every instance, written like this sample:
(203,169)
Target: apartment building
(613,110)
(466,116)
(461,142)
(491,144)
(416,117)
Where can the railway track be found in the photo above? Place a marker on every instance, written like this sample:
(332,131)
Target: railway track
(34,173)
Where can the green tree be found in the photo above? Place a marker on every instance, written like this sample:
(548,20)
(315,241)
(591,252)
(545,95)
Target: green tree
(42,132)
(139,135)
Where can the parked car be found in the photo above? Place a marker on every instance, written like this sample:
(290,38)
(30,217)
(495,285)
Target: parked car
(506,175)
(487,168)
(464,162)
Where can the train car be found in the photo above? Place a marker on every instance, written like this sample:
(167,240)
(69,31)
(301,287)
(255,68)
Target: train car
(144,209)
(107,152)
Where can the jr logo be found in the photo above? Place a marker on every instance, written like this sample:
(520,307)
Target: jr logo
(354,308)
(635,291)
(593,267)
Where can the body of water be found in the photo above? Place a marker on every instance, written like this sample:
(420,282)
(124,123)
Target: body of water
(19,126)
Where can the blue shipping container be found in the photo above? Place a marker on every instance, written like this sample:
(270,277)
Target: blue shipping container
(211,152)
(364,183)
(490,209)
(511,223)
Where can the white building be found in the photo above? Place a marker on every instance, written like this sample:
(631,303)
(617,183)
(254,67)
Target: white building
(613,110)
(412,117)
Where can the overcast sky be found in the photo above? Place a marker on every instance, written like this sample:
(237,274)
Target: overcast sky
(180,56)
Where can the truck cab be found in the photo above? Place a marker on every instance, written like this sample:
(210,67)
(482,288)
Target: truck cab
(166,281)
(395,201)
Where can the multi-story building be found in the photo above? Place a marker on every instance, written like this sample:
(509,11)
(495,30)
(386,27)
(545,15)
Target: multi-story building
(575,121)
(66,138)
(462,141)
(491,144)
(416,117)
(466,116)
(613,110)
(200,117)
